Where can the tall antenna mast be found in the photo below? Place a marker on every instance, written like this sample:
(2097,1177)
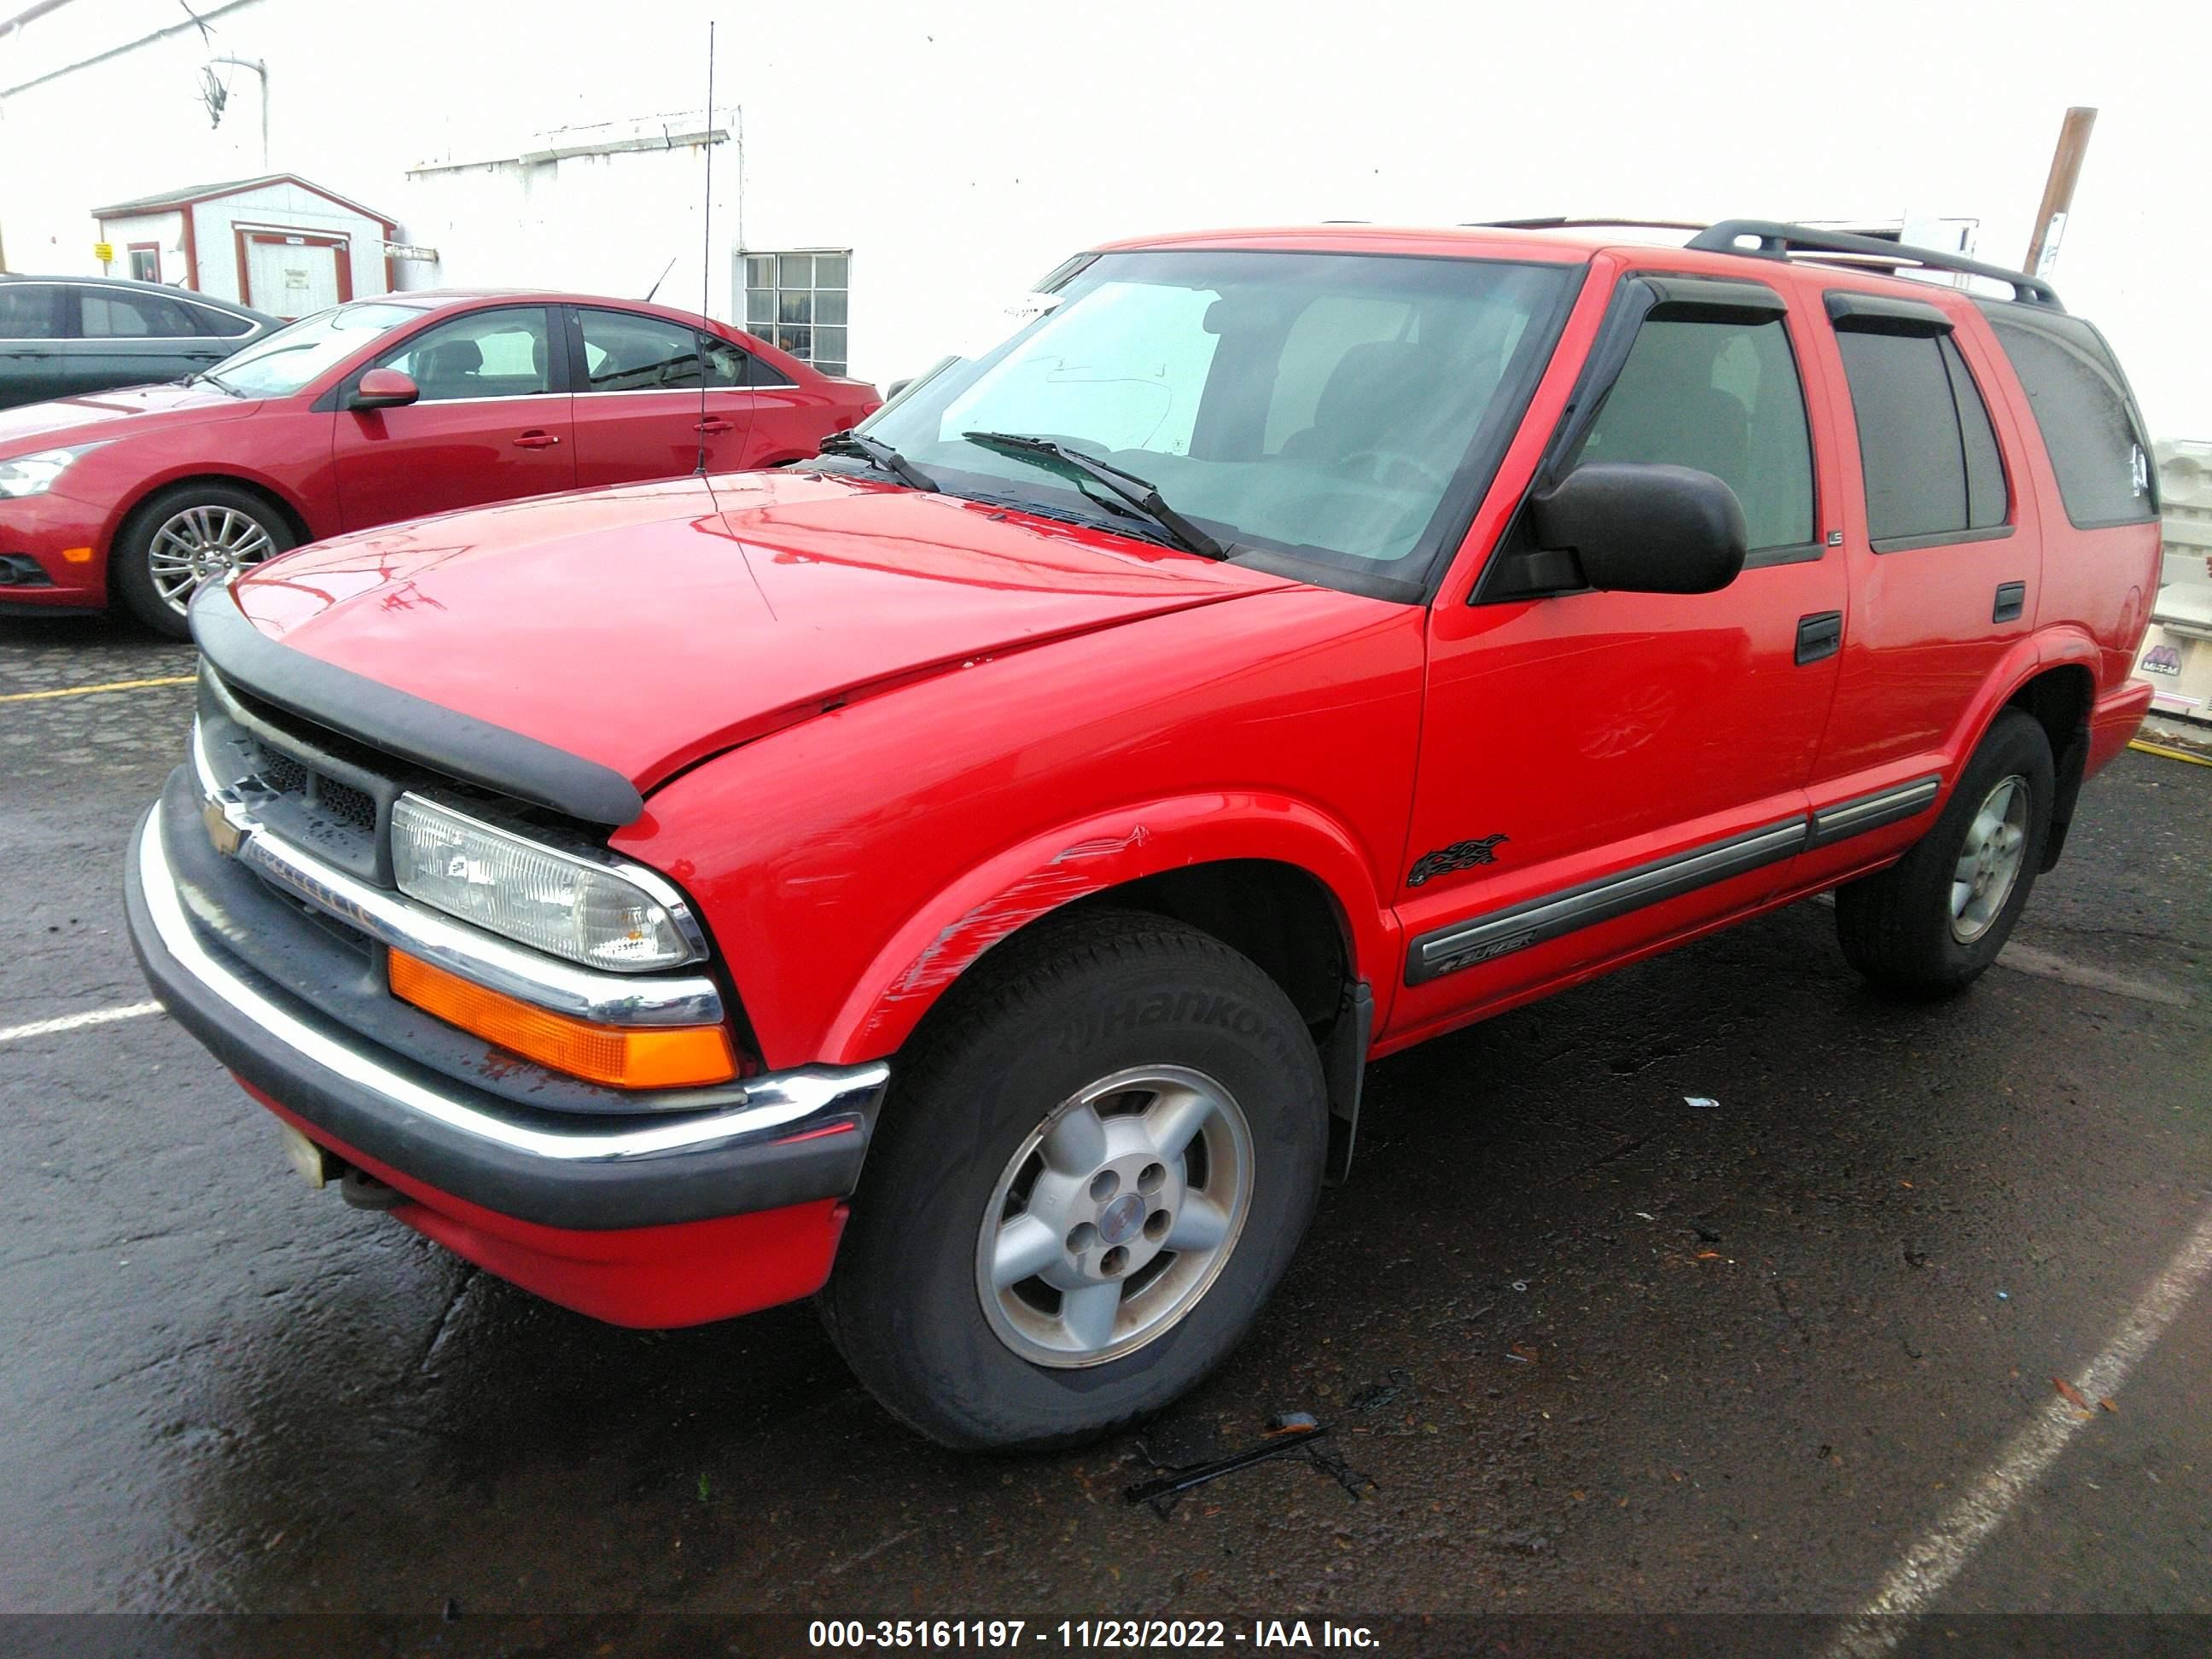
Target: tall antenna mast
(706,250)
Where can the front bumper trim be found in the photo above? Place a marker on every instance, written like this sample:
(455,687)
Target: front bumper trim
(782,1106)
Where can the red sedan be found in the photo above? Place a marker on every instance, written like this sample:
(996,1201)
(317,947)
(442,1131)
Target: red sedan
(386,409)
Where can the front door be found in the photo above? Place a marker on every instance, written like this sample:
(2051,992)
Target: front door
(489,426)
(1603,771)
(639,411)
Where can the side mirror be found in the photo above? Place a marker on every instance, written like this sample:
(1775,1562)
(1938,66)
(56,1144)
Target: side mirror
(384,388)
(1642,527)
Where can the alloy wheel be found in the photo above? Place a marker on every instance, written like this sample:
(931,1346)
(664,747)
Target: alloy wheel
(200,545)
(1990,860)
(1114,1217)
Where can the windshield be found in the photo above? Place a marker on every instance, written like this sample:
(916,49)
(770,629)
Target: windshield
(1338,412)
(290,359)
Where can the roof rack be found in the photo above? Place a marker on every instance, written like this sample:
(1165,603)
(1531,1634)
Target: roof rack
(1779,242)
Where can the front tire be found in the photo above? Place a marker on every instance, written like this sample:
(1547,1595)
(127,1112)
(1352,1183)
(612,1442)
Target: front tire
(184,537)
(1093,1167)
(1932,923)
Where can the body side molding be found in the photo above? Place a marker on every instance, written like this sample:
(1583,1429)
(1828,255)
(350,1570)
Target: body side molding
(1871,812)
(1464,944)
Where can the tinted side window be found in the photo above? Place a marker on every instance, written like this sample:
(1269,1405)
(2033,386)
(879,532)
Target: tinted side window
(28,311)
(219,324)
(486,354)
(1722,398)
(2084,412)
(624,351)
(1925,444)
(109,314)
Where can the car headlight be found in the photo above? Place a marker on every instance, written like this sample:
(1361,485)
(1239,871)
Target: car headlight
(536,896)
(33,474)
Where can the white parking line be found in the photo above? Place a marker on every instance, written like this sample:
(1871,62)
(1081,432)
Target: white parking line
(1950,1544)
(39,1028)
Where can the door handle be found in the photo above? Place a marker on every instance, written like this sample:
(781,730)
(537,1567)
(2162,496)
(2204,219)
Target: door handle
(2012,600)
(536,441)
(1819,635)
(715,424)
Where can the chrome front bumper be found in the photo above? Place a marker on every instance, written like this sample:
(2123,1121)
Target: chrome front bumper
(767,1141)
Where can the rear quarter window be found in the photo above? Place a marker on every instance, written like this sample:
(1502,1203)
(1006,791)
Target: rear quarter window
(2084,411)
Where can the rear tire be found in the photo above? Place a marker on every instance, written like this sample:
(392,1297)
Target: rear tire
(1092,1169)
(183,536)
(1929,925)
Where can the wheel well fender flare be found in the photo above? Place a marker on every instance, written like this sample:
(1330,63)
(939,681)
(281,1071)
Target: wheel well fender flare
(2050,656)
(1017,887)
(2027,659)
(294,519)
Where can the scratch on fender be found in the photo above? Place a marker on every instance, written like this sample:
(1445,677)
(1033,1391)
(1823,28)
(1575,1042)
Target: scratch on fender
(1008,912)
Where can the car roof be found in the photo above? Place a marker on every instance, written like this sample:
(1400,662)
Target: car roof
(1573,243)
(132,285)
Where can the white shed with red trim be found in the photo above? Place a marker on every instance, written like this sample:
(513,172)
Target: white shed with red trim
(276,243)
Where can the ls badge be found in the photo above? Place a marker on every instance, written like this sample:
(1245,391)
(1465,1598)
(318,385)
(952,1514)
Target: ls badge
(1460,856)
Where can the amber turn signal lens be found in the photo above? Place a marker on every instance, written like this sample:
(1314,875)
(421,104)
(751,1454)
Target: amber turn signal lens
(622,1056)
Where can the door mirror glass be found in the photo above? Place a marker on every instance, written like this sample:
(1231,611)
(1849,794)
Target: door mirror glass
(384,388)
(1644,528)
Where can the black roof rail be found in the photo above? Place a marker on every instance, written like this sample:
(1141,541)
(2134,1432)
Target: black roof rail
(1779,242)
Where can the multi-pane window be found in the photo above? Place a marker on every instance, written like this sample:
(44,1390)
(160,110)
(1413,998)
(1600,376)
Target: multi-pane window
(796,302)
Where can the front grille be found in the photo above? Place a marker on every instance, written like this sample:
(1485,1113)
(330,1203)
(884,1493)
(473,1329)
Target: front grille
(317,789)
(286,776)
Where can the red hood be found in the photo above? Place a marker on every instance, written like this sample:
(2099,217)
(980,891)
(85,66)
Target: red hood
(649,626)
(99,415)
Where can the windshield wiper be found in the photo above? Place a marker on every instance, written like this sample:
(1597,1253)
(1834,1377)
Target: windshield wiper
(1140,493)
(880,455)
(219,384)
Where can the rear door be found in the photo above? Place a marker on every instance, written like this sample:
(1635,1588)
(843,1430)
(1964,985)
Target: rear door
(492,423)
(639,411)
(1942,537)
(129,337)
(33,364)
(1602,771)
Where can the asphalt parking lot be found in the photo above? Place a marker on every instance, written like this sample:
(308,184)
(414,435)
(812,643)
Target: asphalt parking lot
(1585,1346)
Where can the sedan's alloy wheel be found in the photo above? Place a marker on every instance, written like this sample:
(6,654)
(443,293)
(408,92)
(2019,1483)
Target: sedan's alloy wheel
(1114,1217)
(203,543)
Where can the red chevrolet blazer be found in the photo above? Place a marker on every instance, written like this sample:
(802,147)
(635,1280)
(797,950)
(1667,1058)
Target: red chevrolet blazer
(966,876)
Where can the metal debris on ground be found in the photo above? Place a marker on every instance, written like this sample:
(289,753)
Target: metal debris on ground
(1288,1435)
(1376,1395)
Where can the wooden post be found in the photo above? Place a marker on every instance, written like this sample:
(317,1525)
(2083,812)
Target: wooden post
(2058,190)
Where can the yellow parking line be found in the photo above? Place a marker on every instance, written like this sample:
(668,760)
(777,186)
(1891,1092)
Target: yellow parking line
(2170,754)
(88,690)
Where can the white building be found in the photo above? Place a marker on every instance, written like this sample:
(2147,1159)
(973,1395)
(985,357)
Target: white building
(945,153)
(276,243)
